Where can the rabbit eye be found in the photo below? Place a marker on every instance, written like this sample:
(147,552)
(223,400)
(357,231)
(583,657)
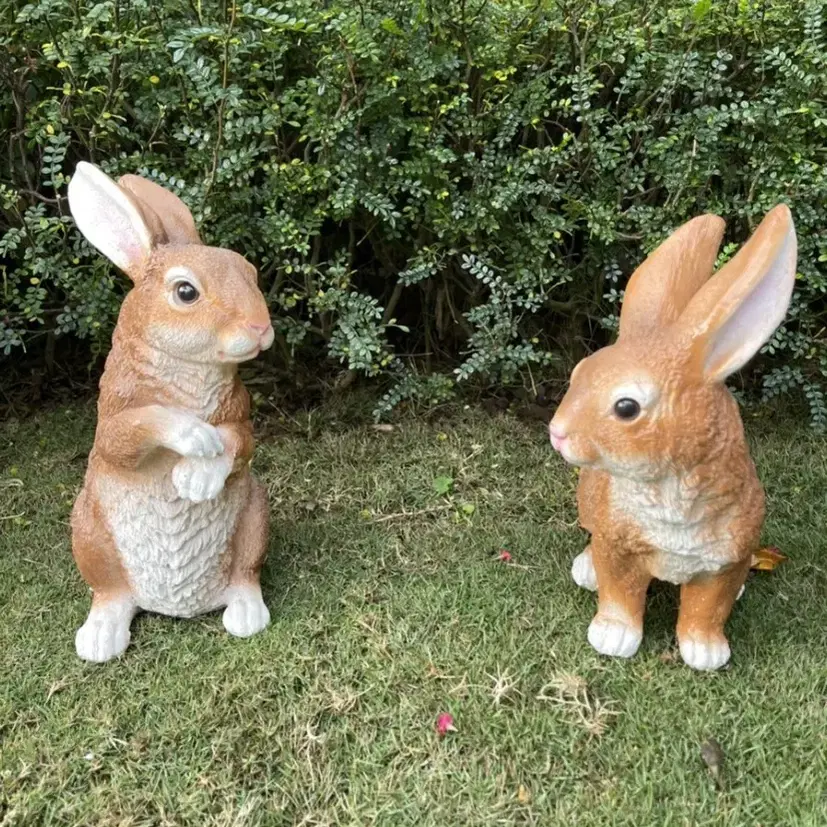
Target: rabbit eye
(185,292)
(626,408)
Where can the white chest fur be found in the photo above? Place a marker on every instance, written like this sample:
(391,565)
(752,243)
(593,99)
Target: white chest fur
(674,518)
(175,551)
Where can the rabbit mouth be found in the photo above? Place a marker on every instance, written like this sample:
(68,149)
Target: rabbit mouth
(564,448)
(239,357)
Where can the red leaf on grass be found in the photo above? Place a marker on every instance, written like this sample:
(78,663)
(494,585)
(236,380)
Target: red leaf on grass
(445,724)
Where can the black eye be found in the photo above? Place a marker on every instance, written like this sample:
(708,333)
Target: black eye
(185,292)
(626,408)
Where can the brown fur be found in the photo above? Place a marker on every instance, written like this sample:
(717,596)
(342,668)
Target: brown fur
(169,360)
(686,451)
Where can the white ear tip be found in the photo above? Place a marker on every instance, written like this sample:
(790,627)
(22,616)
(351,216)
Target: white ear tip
(86,175)
(84,171)
(107,217)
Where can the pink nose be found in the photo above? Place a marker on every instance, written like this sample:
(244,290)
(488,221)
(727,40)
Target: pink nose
(557,435)
(260,329)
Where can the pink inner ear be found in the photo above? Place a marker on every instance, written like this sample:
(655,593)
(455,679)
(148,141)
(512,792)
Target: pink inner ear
(757,316)
(109,219)
(126,242)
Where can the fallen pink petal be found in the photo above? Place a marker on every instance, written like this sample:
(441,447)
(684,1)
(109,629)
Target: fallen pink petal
(445,724)
(505,556)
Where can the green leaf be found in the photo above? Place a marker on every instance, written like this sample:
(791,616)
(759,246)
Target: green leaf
(701,9)
(391,26)
(443,485)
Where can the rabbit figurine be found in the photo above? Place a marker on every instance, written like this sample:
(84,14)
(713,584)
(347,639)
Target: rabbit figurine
(169,518)
(667,487)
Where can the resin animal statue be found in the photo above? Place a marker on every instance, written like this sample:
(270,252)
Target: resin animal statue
(667,488)
(170,519)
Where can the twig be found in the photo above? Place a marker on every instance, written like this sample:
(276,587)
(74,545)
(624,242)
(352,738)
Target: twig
(392,302)
(403,514)
(40,197)
(219,137)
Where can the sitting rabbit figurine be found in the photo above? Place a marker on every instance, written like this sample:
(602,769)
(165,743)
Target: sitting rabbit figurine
(668,489)
(169,519)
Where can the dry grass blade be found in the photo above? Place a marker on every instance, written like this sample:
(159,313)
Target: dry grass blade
(572,692)
(407,515)
(504,686)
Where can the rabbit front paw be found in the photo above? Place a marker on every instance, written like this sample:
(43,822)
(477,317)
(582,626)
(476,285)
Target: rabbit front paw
(190,437)
(198,479)
(615,635)
(246,613)
(105,635)
(704,652)
(582,571)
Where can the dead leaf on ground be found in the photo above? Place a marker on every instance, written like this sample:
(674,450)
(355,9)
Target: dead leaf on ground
(766,559)
(523,795)
(713,756)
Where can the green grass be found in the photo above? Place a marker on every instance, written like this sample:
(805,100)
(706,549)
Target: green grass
(389,609)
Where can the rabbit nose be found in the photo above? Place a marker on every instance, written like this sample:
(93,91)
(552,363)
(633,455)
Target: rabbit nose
(557,435)
(556,431)
(260,329)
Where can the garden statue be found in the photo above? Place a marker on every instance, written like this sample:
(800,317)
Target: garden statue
(667,488)
(169,519)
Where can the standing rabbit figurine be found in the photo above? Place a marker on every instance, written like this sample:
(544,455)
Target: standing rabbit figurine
(668,489)
(169,519)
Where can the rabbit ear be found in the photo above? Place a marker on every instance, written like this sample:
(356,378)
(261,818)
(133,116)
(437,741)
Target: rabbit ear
(662,286)
(110,219)
(163,208)
(737,311)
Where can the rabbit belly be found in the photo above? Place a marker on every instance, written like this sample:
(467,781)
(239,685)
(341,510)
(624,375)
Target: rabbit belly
(669,520)
(680,568)
(175,552)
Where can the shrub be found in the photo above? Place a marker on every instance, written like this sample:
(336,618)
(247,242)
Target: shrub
(434,192)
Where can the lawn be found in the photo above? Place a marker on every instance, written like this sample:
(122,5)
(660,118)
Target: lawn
(389,608)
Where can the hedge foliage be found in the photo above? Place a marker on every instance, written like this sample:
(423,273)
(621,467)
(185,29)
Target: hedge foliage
(435,191)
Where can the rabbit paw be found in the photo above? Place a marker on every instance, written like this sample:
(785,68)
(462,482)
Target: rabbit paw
(246,613)
(614,635)
(198,479)
(190,437)
(704,652)
(582,571)
(105,635)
